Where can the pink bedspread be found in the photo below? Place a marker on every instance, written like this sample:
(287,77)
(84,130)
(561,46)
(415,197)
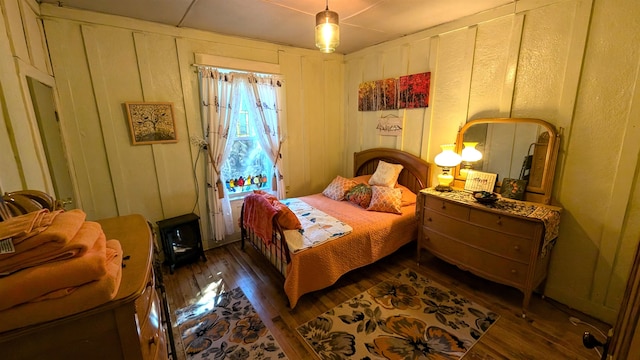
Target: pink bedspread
(375,235)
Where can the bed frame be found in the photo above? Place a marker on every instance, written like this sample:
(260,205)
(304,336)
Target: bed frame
(414,175)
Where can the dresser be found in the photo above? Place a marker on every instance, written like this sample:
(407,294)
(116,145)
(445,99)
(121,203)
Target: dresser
(128,327)
(508,242)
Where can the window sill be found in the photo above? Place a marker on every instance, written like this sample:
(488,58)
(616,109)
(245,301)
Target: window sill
(242,195)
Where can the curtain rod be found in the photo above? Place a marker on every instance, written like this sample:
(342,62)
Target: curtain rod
(237,69)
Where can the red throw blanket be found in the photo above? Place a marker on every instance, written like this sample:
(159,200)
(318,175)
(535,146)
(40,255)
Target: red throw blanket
(258,216)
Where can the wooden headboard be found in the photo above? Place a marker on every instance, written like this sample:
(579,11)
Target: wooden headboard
(415,172)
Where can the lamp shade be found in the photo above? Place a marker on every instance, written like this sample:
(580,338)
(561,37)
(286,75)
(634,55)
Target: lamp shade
(327,31)
(470,153)
(447,158)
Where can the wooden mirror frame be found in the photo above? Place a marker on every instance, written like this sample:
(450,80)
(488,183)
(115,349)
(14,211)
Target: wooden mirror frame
(539,194)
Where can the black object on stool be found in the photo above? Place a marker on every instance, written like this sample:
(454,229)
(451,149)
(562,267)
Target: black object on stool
(181,239)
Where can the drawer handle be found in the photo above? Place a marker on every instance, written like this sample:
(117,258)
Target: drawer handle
(153,339)
(516,248)
(514,271)
(444,206)
(429,219)
(499,222)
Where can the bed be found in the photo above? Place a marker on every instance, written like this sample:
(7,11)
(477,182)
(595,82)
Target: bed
(374,234)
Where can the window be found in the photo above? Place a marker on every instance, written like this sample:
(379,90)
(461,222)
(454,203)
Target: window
(248,167)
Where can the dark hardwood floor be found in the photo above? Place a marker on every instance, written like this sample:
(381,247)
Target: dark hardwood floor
(546,333)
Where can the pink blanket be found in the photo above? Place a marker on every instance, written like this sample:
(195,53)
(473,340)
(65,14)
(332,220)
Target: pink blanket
(83,298)
(258,216)
(32,283)
(21,225)
(83,240)
(61,230)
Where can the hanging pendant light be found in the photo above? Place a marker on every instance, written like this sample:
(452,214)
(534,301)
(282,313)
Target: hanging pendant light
(327,30)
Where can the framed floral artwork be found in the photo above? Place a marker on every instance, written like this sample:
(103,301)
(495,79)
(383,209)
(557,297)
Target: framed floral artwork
(151,122)
(513,188)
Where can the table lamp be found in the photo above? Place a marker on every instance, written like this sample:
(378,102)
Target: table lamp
(446,160)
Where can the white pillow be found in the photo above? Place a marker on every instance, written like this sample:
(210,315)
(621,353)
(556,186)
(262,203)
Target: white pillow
(386,174)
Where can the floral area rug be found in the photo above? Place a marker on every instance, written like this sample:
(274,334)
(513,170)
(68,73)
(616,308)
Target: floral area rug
(406,317)
(226,328)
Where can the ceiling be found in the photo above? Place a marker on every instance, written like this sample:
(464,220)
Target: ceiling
(291,22)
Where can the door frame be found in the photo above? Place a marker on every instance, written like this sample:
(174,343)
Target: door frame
(26,71)
(626,335)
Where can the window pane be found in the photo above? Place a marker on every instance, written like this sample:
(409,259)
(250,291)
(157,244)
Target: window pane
(242,128)
(247,168)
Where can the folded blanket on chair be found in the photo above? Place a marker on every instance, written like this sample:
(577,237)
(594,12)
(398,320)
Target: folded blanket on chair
(84,239)
(258,216)
(29,284)
(83,298)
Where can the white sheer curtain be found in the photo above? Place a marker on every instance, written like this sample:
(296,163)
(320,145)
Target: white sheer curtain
(221,95)
(220,102)
(268,96)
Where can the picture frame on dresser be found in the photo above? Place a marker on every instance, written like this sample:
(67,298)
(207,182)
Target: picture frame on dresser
(513,188)
(480,181)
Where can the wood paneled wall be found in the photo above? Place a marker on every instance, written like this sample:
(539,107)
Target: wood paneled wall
(555,60)
(564,61)
(102,61)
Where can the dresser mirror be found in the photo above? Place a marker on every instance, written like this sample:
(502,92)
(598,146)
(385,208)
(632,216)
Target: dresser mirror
(516,148)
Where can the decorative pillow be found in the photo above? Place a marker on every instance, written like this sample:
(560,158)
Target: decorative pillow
(386,199)
(362,179)
(386,174)
(285,217)
(408,197)
(359,195)
(338,188)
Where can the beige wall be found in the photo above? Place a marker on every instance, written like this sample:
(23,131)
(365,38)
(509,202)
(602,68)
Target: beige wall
(562,61)
(538,59)
(102,61)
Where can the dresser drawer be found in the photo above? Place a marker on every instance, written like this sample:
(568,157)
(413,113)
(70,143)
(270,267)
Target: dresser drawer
(497,243)
(506,224)
(445,207)
(151,334)
(482,263)
(144,301)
